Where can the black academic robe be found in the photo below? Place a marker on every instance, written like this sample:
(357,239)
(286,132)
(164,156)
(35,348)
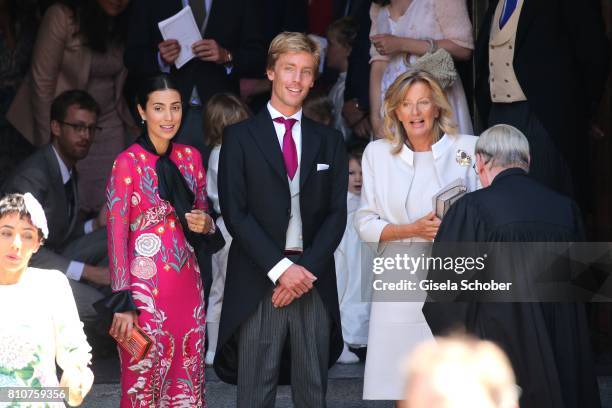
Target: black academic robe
(547,343)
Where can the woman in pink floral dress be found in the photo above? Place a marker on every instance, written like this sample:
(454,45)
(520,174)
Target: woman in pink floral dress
(156,201)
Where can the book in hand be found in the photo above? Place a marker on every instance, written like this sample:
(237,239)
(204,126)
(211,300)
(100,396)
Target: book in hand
(447,196)
(137,345)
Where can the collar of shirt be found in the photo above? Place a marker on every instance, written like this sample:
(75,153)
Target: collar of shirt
(296,130)
(207,5)
(66,174)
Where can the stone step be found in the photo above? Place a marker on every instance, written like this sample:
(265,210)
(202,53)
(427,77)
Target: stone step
(344,389)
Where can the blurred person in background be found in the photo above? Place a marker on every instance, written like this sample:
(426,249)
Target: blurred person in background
(340,36)
(79,46)
(18,25)
(518,43)
(319,108)
(404,30)
(75,247)
(459,372)
(232,47)
(222,110)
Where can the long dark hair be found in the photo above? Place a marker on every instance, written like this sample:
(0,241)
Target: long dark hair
(382,3)
(159,82)
(98,30)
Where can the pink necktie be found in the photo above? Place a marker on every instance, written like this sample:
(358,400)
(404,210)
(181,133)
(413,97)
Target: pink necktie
(289,149)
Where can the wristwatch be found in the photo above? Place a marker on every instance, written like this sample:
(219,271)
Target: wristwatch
(229,58)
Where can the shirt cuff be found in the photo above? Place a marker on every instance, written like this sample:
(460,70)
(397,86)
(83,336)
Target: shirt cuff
(75,270)
(88,226)
(162,64)
(279,269)
(213,228)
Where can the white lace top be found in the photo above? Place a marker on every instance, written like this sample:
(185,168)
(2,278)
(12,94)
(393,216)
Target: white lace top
(426,19)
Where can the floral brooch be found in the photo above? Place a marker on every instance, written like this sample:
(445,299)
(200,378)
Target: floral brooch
(463,158)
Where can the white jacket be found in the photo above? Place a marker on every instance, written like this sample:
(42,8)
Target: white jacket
(387,179)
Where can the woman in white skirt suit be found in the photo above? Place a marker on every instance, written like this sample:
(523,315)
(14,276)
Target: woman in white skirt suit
(422,152)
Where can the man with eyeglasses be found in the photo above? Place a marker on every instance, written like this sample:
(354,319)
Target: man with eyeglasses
(74,246)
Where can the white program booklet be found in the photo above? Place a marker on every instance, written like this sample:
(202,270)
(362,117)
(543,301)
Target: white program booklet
(183,28)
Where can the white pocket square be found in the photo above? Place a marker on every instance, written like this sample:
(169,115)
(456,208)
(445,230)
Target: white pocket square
(322,166)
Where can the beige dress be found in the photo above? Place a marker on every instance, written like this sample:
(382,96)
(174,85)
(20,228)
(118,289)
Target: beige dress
(95,169)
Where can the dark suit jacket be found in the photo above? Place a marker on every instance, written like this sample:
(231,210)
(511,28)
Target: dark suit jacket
(358,73)
(40,175)
(255,203)
(234,24)
(561,62)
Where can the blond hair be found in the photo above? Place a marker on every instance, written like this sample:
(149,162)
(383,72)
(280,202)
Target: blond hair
(460,371)
(222,109)
(287,42)
(393,130)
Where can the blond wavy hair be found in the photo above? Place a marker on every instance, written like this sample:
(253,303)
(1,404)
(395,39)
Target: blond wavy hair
(393,130)
(288,41)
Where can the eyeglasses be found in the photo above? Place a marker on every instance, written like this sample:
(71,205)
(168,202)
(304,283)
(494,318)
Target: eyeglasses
(82,129)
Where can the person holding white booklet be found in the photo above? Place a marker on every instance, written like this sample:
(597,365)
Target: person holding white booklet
(232,46)
(422,152)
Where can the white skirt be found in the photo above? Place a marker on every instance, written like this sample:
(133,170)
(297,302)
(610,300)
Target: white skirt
(396,328)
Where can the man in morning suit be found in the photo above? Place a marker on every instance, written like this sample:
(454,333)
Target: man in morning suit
(541,66)
(282,187)
(73,247)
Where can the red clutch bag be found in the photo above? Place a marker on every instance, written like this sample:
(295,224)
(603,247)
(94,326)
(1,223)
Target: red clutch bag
(138,344)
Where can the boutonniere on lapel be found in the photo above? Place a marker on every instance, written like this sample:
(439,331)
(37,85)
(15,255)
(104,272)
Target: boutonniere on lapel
(463,158)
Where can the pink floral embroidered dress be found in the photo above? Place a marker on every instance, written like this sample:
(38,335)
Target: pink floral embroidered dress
(151,258)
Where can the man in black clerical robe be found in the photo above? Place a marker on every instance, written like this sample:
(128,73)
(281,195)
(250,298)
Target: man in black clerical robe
(547,343)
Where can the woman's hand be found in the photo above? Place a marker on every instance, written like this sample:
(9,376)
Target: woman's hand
(426,227)
(388,44)
(78,380)
(122,325)
(199,222)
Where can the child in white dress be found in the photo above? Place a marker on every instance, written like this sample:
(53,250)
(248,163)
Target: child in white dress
(354,312)
(222,110)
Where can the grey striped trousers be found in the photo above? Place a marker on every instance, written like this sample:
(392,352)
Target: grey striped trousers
(261,340)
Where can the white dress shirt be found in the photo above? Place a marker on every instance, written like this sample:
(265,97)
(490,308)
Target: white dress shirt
(296,132)
(75,268)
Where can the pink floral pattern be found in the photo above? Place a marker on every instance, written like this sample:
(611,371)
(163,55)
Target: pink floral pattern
(150,256)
